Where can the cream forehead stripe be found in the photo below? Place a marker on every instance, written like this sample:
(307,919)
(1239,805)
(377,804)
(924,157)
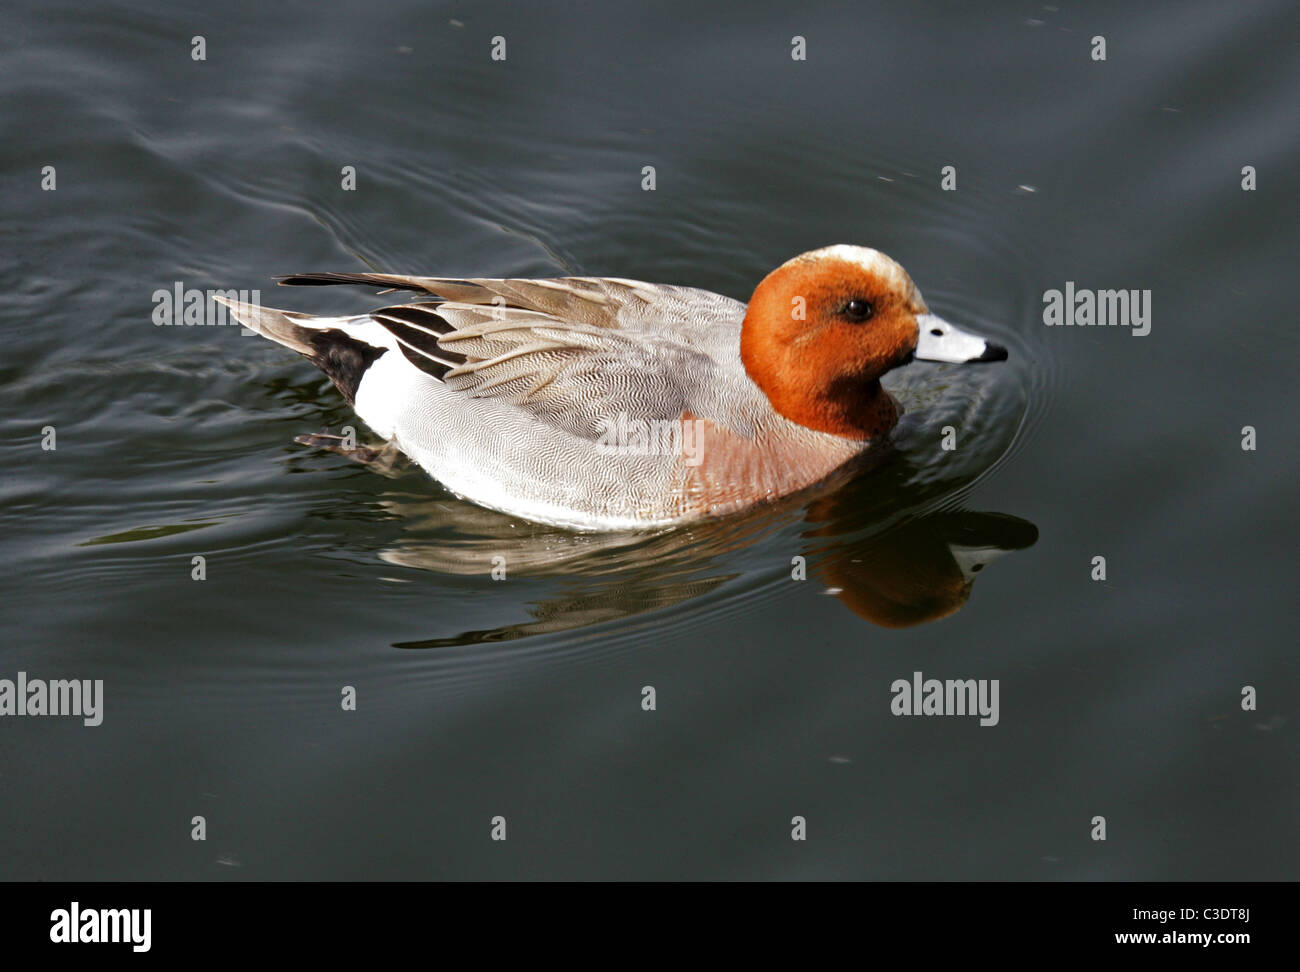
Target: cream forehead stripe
(873,261)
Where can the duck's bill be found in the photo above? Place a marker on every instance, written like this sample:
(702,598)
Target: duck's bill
(940,341)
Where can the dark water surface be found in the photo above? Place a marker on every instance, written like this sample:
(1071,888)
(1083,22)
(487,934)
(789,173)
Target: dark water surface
(522,698)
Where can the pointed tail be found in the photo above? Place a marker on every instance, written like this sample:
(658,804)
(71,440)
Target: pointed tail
(278,325)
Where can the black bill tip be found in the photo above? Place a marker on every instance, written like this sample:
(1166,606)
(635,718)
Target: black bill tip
(992,352)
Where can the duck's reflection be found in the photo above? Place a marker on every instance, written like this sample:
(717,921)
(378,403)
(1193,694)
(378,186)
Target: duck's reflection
(890,568)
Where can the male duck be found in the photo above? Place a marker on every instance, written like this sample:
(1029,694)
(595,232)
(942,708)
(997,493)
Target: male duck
(603,403)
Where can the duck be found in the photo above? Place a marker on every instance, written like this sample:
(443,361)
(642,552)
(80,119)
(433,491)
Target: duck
(603,403)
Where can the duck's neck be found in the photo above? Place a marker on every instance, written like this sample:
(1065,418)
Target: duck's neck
(858,410)
(850,408)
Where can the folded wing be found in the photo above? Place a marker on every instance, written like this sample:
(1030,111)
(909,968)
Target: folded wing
(576,352)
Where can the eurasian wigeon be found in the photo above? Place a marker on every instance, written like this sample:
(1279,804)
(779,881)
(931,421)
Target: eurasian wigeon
(603,403)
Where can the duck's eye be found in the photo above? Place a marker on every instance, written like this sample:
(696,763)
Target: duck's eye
(858,310)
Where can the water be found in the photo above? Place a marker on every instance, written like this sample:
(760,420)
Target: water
(522,698)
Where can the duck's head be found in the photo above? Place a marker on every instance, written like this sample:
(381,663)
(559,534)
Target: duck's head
(822,328)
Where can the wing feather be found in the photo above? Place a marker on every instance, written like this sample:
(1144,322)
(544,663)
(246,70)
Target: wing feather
(574,351)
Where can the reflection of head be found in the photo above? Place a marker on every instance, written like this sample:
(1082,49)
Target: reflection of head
(924,569)
(904,578)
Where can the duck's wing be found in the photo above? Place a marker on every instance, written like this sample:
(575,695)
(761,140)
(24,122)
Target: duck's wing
(577,352)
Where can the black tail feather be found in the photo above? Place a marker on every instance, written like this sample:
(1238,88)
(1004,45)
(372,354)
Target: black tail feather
(389,281)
